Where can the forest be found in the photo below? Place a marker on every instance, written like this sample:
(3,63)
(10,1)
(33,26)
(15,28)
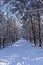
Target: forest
(21,18)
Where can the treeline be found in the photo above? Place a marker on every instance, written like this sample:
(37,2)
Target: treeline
(8,31)
(32,22)
(33,27)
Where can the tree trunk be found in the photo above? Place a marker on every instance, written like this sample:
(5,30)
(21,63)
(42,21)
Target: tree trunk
(29,34)
(39,28)
(0,42)
(33,30)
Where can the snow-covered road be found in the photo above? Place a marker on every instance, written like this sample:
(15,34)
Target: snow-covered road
(21,53)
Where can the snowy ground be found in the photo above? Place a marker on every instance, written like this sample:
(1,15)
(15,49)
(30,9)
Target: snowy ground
(21,53)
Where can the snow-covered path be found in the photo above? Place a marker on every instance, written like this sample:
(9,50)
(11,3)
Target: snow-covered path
(21,53)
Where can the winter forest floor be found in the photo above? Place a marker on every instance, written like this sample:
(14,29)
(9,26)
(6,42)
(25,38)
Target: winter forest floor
(21,53)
